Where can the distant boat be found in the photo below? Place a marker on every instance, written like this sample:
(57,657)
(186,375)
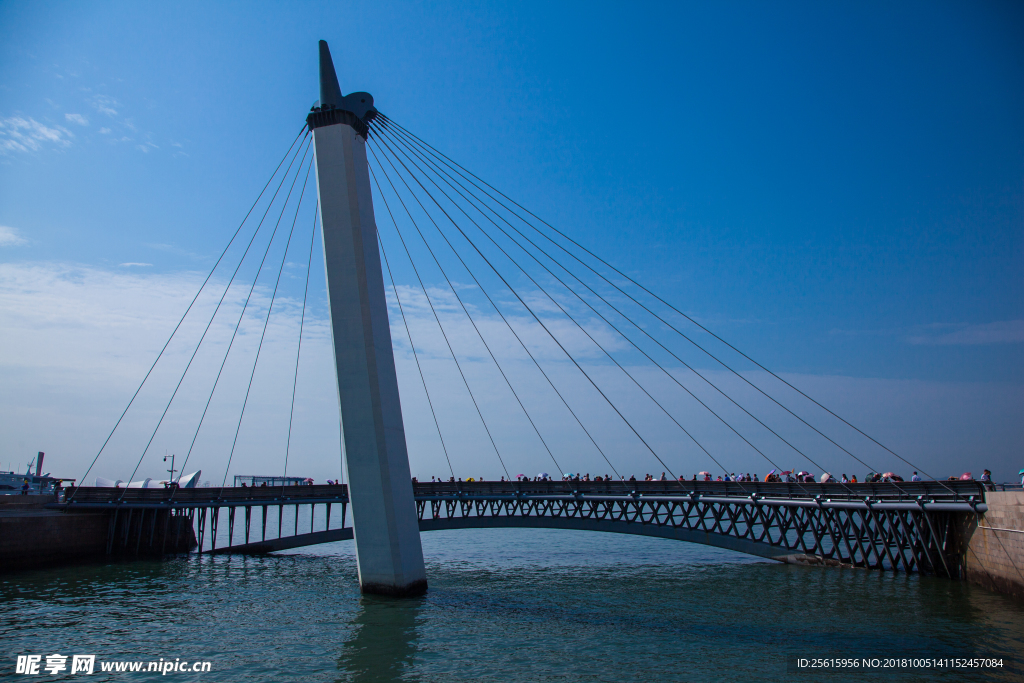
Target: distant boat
(11,482)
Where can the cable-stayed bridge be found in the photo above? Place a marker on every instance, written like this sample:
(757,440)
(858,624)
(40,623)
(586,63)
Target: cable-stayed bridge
(579,347)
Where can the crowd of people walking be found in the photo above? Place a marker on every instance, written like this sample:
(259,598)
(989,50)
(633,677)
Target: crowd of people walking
(784,476)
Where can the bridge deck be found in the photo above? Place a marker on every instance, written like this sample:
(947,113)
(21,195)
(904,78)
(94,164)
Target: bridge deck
(952,491)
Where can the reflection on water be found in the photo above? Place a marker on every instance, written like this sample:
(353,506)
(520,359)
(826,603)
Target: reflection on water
(383,642)
(504,605)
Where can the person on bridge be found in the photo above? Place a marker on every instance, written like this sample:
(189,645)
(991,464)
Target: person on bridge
(916,477)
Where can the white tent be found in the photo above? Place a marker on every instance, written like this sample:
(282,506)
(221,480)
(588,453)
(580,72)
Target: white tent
(188,481)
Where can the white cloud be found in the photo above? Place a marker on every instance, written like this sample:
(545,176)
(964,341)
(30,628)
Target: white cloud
(105,104)
(9,237)
(104,131)
(77,340)
(133,263)
(77,118)
(177,251)
(1001,332)
(18,134)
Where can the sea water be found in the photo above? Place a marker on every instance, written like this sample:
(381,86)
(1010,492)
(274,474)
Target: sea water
(506,605)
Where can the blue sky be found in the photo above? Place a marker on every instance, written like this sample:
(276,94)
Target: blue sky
(838,190)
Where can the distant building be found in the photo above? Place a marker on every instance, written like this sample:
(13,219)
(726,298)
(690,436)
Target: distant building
(254,480)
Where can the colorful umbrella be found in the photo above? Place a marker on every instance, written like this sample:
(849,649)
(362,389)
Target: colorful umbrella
(966,476)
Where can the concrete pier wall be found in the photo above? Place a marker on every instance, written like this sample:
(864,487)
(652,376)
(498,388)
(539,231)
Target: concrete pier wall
(995,551)
(32,536)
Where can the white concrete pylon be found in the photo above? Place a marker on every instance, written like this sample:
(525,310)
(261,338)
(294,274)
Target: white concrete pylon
(384,519)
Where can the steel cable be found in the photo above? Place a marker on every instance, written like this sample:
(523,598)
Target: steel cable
(612,326)
(298,351)
(185,314)
(523,345)
(446,340)
(463,172)
(475,328)
(205,331)
(412,345)
(238,323)
(541,323)
(616,329)
(270,310)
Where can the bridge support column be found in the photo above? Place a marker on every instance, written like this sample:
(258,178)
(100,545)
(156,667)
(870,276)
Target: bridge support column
(384,522)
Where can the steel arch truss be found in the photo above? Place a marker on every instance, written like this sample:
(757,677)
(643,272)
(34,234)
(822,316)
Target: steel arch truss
(889,536)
